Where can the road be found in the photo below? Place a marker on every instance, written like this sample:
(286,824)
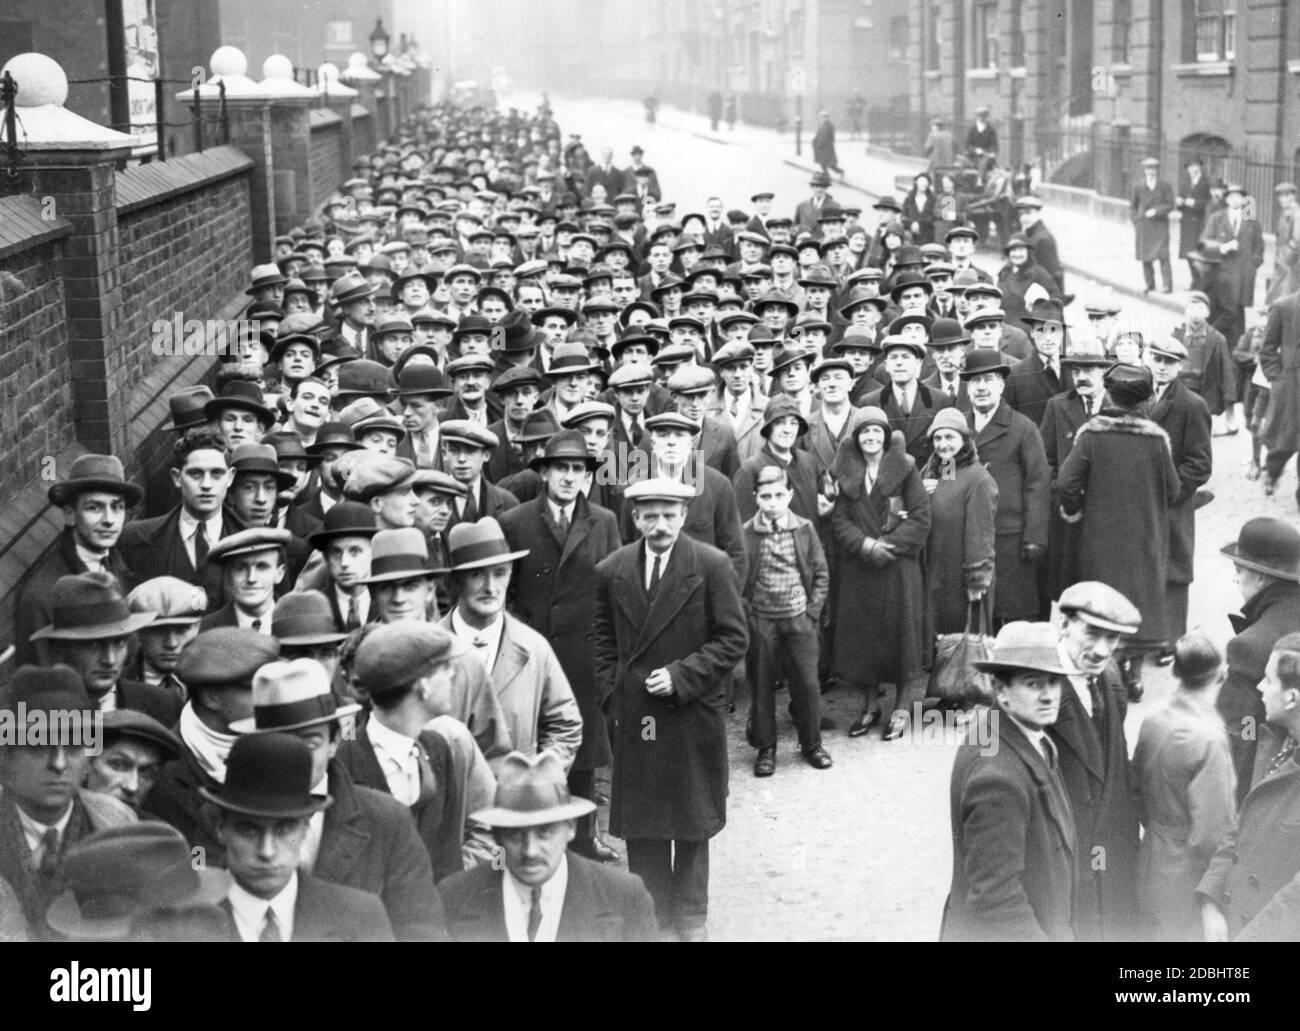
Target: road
(862,851)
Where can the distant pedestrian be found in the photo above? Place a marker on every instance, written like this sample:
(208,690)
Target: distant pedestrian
(939,146)
(823,145)
(981,137)
(715,110)
(1235,236)
(730,112)
(1153,200)
(1286,252)
(1192,202)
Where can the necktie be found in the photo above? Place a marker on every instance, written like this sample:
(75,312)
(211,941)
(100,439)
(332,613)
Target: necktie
(735,407)
(200,546)
(1098,703)
(354,616)
(535,914)
(49,853)
(654,574)
(1049,752)
(469,514)
(270,928)
(562,524)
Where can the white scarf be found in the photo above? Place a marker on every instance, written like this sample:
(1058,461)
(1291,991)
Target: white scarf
(209,748)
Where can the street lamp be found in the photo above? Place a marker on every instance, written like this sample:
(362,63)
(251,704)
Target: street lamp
(379,40)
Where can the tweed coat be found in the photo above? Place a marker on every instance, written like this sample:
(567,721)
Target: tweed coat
(670,753)
(552,594)
(1121,476)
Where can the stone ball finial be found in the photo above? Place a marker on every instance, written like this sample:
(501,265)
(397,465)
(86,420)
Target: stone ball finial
(228,61)
(277,67)
(328,72)
(40,80)
(358,60)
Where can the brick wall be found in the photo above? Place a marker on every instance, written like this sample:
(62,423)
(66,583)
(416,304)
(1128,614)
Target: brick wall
(324,160)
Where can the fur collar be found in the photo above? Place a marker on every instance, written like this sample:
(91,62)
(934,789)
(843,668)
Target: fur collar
(1108,422)
(850,467)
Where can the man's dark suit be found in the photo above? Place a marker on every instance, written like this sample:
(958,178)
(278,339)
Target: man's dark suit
(1045,252)
(491,501)
(1103,797)
(1013,845)
(369,842)
(175,799)
(611,178)
(961,402)
(1062,418)
(914,425)
(328,912)
(670,792)
(153,547)
(1031,385)
(600,904)
(717,446)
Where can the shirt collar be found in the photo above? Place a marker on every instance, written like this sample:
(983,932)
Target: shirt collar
(213,524)
(491,634)
(34,830)
(90,559)
(250,911)
(552,890)
(395,745)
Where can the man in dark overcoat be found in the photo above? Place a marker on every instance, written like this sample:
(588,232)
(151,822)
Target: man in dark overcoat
(1037,379)
(1236,237)
(1185,417)
(669,628)
(1012,828)
(1089,734)
(1279,360)
(1153,200)
(1192,202)
(566,537)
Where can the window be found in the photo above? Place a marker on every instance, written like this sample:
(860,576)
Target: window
(898,30)
(984,34)
(1017,34)
(1122,28)
(933,42)
(1215,25)
(338,33)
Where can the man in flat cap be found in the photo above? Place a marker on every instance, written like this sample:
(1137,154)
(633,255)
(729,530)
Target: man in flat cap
(691,386)
(134,748)
(1094,759)
(543,893)
(91,629)
(669,629)
(413,745)
(1012,827)
(263,810)
(177,608)
(1286,252)
(365,839)
(253,564)
(517,661)
(43,807)
(94,499)
(565,536)
(1153,200)
(217,668)
(466,447)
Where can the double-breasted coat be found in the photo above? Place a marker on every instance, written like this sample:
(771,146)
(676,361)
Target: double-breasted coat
(879,609)
(552,594)
(1011,449)
(1013,845)
(1183,771)
(1121,476)
(1031,384)
(670,752)
(1185,418)
(1151,232)
(1095,769)
(1279,359)
(959,551)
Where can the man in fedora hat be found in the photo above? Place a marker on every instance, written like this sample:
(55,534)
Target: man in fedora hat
(1011,448)
(43,808)
(416,745)
(1247,891)
(217,670)
(401,577)
(187,412)
(304,625)
(1022,280)
(263,813)
(1035,380)
(365,839)
(133,750)
(668,631)
(544,893)
(565,536)
(1012,826)
(177,544)
(514,659)
(1266,561)
(94,499)
(1093,619)
(253,564)
(334,439)
(466,448)
(177,608)
(91,629)
(1234,236)
(807,212)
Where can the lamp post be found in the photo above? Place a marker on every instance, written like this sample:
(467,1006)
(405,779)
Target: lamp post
(379,40)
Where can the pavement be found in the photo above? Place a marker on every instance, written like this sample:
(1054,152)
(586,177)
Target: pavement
(863,851)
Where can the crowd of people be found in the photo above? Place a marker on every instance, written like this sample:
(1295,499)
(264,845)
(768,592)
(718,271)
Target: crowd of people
(514,474)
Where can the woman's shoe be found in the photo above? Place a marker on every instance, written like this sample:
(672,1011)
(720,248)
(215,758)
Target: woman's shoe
(864,723)
(897,727)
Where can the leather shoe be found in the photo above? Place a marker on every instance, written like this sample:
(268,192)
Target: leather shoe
(765,763)
(864,723)
(818,758)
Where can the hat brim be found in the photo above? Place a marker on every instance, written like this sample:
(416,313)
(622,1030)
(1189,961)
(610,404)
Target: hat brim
(249,726)
(994,666)
(64,915)
(1099,361)
(541,460)
(1230,551)
(496,816)
(322,537)
(315,805)
(214,407)
(402,574)
(98,632)
(67,491)
(488,560)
